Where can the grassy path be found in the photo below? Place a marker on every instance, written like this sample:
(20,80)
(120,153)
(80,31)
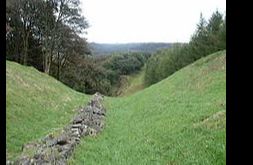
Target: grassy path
(133,83)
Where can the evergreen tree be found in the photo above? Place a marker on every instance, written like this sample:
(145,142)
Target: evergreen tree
(215,27)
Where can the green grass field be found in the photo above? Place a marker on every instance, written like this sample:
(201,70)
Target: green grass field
(180,120)
(36,105)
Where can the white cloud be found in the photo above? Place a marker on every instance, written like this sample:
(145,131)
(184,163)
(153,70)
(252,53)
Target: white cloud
(114,21)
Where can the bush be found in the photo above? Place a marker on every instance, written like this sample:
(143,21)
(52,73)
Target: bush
(125,64)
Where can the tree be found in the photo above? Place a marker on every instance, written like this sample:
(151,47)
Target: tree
(21,16)
(223,34)
(215,22)
(47,27)
(209,37)
(69,44)
(58,13)
(214,28)
(199,40)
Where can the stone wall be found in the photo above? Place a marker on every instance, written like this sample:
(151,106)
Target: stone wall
(56,150)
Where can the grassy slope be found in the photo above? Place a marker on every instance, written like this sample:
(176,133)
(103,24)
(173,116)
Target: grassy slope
(180,120)
(36,105)
(135,83)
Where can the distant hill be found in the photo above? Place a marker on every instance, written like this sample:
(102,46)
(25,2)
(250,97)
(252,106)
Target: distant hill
(99,49)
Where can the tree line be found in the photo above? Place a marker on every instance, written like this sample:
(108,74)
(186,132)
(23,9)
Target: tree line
(108,49)
(208,38)
(43,33)
(101,74)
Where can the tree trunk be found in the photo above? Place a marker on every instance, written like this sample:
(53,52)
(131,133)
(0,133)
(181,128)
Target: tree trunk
(58,66)
(48,59)
(47,62)
(25,55)
(26,45)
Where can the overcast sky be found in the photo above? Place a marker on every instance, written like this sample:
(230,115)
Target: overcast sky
(122,21)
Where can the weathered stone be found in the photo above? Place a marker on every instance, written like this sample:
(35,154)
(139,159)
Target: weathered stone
(77,139)
(85,131)
(41,162)
(75,134)
(88,108)
(61,162)
(38,155)
(56,150)
(51,142)
(62,140)
(75,129)
(77,120)
(8,162)
(92,132)
(24,160)
(76,125)
(29,146)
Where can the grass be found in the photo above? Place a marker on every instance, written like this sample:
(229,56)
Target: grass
(180,120)
(132,83)
(36,105)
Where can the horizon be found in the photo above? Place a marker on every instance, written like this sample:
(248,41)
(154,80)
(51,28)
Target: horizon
(151,42)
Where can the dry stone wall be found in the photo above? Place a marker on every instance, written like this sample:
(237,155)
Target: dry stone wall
(56,150)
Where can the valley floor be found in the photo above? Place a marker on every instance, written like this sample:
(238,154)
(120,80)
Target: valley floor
(132,83)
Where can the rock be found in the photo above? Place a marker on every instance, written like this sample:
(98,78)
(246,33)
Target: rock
(77,119)
(41,162)
(29,146)
(84,126)
(74,129)
(88,109)
(92,132)
(77,139)
(97,111)
(75,134)
(37,156)
(67,149)
(76,125)
(51,142)
(8,162)
(61,162)
(84,130)
(24,160)
(62,140)
(56,150)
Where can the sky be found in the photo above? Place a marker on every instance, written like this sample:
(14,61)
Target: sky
(131,21)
